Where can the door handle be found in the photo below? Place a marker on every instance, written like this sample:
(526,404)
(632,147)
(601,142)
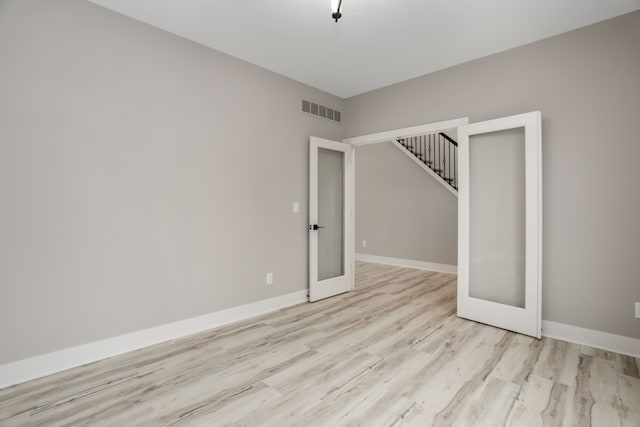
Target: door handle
(315,227)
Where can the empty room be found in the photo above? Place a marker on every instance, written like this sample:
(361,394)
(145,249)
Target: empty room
(320,213)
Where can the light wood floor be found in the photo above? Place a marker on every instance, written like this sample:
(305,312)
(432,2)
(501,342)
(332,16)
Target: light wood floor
(391,353)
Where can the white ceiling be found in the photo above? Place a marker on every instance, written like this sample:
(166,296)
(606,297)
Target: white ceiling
(376,43)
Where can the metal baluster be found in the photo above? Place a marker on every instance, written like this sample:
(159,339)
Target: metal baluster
(446,167)
(439,151)
(432,152)
(442,160)
(435,152)
(455,163)
(444,157)
(435,158)
(437,141)
(434,165)
(439,144)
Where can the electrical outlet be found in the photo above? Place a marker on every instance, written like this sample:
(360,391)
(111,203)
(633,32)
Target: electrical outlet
(638,310)
(364,243)
(269,278)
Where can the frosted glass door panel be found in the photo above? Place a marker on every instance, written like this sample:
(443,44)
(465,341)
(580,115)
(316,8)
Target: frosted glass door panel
(331,241)
(497,217)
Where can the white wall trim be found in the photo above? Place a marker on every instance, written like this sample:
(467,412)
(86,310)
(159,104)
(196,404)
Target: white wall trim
(399,262)
(391,135)
(560,331)
(50,363)
(426,168)
(602,340)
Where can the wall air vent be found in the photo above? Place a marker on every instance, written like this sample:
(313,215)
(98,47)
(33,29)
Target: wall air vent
(321,111)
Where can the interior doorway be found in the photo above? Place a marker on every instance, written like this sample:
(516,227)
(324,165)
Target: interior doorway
(518,276)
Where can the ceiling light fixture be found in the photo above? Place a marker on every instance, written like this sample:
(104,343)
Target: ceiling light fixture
(335,9)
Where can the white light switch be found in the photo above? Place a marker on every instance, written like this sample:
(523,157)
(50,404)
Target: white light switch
(269,278)
(638,310)
(364,243)
(296,207)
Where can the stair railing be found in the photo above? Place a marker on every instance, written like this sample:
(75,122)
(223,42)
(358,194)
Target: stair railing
(438,151)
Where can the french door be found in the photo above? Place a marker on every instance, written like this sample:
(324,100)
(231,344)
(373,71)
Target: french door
(330,218)
(500,223)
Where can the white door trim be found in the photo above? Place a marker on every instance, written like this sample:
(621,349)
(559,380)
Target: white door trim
(335,285)
(524,320)
(392,135)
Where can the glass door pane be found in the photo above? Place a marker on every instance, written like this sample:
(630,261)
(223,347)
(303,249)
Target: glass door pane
(331,238)
(497,217)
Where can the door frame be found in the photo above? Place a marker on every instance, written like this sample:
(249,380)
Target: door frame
(527,320)
(349,215)
(449,125)
(372,138)
(392,136)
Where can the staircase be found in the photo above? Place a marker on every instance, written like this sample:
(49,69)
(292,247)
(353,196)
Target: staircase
(438,152)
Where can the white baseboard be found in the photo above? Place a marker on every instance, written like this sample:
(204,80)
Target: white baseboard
(399,262)
(592,338)
(50,363)
(603,340)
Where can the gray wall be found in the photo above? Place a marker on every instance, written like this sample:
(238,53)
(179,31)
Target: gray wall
(144,178)
(401,211)
(586,83)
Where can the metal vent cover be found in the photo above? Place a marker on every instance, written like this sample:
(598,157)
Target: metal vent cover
(321,111)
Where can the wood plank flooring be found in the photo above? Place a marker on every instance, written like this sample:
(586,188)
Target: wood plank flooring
(391,353)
